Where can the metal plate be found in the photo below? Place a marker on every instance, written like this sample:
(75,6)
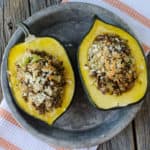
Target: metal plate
(82,124)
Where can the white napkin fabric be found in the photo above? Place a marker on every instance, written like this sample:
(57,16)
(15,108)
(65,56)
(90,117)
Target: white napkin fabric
(136,14)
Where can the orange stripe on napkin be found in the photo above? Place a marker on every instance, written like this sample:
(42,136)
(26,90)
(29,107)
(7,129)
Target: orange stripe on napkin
(7,115)
(130,11)
(64,1)
(7,145)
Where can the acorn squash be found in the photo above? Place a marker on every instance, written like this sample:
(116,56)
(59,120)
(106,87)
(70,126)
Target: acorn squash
(50,46)
(108,101)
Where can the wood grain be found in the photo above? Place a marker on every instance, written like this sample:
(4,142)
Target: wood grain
(123,141)
(14,12)
(2,37)
(53,2)
(142,123)
(36,5)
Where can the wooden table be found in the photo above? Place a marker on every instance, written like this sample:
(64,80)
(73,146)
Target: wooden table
(136,136)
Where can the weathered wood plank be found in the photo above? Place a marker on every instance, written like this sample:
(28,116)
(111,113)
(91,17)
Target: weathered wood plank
(36,5)
(53,2)
(14,12)
(142,123)
(2,38)
(123,141)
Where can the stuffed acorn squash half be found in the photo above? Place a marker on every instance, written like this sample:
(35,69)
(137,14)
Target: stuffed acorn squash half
(41,77)
(112,66)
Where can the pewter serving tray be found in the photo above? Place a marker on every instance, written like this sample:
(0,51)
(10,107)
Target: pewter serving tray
(82,124)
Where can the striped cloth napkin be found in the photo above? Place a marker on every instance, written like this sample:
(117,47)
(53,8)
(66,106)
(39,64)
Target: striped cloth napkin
(137,13)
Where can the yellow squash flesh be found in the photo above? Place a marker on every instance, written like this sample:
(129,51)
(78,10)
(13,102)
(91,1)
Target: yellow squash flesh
(54,48)
(136,93)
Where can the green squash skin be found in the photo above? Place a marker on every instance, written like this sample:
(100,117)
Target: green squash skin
(95,17)
(15,101)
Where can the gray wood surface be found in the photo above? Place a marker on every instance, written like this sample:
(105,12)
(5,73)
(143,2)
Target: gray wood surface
(2,38)
(14,12)
(36,5)
(123,141)
(136,135)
